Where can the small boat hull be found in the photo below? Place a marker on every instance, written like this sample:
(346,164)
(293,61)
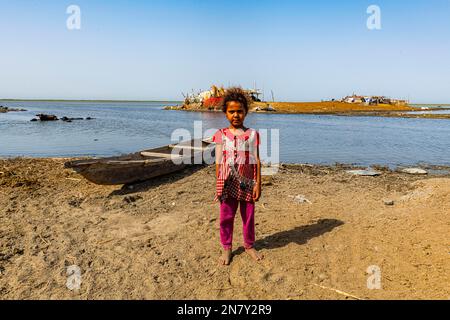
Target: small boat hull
(138,167)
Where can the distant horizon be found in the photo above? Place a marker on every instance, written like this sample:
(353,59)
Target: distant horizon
(179,101)
(90,100)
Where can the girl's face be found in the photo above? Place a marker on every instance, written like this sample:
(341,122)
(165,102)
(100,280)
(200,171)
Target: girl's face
(235,114)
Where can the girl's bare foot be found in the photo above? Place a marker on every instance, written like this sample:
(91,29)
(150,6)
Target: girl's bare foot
(225,259)
(254,254)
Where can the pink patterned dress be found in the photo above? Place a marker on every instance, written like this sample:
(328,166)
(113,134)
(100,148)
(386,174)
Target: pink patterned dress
(237,151)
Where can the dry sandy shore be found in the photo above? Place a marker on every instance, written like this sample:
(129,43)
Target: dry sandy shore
(160,239)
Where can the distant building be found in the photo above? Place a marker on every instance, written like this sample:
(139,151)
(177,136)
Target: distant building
(353,99)
(373,100)
(399,102)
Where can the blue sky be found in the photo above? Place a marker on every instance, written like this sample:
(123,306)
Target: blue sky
(303,51)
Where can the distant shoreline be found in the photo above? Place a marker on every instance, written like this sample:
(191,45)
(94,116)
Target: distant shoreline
(106,101)
(175,101)
(336,108)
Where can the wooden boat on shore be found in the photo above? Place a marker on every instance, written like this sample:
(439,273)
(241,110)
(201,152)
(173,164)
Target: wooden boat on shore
(144,165)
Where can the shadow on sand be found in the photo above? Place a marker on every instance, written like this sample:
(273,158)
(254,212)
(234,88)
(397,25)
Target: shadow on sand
(155,182)
(298,235)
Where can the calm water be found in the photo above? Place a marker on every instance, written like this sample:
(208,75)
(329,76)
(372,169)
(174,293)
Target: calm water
(433,109)
(121,127)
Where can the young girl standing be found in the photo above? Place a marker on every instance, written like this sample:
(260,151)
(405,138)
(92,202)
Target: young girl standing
(238,173)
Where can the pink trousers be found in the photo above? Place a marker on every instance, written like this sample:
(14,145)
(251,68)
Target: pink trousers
(228,208)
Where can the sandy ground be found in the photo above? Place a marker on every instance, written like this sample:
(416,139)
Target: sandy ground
(160,239)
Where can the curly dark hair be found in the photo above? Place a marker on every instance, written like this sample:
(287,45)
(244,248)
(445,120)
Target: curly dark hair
(236,94)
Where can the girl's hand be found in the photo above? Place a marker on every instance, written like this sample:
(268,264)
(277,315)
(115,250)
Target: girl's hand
(256,192)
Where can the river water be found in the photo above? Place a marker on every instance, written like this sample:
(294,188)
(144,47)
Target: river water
(124,127)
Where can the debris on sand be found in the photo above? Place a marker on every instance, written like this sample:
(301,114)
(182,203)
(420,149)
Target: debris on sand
(368,172)
(414,171)
(301,199)
(131,199)
(270,170)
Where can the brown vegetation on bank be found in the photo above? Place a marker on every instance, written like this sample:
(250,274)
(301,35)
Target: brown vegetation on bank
(331,107)
(325,107)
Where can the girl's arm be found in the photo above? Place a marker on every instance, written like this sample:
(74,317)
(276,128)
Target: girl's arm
(258,167)
(257,188)
(218,158)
